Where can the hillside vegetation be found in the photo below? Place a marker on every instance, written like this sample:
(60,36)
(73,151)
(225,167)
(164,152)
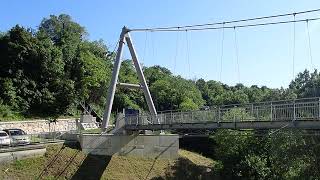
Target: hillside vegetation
(68,163)
(45,72)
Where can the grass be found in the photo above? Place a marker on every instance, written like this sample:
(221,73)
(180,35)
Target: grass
(197,158)
(61,162)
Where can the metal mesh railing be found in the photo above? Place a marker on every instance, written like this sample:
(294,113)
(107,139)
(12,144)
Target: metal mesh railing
(289,110)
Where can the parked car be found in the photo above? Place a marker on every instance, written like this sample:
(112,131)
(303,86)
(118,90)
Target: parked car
(18,137)
(4,139)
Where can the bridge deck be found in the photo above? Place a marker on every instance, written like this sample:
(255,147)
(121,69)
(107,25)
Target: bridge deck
(306,124)
(300,113)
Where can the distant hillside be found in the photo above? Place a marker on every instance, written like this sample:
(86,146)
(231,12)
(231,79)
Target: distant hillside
(69,163)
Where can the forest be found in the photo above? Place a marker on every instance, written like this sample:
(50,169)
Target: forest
(46,72)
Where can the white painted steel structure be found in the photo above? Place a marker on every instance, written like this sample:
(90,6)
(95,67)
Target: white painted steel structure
(299,113)
(125,38)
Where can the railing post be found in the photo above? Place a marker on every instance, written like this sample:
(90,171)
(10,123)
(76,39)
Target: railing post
(234,115)
(191,116)
(252,112)
(319,108)
(271,111)
(294,110)
(172,117)
(219,114)
(203,117)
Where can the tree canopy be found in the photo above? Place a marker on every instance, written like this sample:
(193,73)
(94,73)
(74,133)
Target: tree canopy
(45,72)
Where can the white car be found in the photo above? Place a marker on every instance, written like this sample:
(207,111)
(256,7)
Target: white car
(4,139)
(18,137)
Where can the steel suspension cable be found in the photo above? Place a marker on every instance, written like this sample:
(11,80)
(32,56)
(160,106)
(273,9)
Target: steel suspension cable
(311,59)
(228,27)
(226,22)
(187,53)
(221,57)
(115,47)
(152,44)
(111,53)
(145,47)
(176,54)
(237,53)
(294,46)
(309,42)
(278,130)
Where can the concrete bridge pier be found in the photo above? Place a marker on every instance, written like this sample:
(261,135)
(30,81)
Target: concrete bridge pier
(151,146)
(123,142)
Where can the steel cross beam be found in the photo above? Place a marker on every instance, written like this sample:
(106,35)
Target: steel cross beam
(125,37)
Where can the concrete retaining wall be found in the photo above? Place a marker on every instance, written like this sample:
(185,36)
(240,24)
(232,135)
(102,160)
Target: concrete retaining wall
(154,146)
(17,155)
(68,136)
(40,126)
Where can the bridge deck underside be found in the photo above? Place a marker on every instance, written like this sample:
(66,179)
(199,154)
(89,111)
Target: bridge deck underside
(305,124)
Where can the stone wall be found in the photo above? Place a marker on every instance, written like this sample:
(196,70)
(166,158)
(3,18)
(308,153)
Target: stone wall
(41,126)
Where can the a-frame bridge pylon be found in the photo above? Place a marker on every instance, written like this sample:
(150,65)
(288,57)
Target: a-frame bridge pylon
(125,38)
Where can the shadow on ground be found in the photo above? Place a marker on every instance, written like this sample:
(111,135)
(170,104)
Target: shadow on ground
(69,163)
(185,169)
(59,163)
(92,167)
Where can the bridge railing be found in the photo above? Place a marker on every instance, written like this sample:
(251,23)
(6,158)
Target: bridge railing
(290,110)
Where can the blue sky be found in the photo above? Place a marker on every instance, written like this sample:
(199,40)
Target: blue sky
(265,53)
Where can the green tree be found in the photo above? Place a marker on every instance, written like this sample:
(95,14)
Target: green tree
(306,84)
(156,73)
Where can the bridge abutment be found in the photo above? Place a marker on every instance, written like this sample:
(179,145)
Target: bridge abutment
(142,145)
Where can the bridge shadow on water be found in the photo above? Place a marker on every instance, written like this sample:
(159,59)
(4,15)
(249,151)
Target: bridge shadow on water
(92,167)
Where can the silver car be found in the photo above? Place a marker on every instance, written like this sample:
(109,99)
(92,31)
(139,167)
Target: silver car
(4,139)
(18,137)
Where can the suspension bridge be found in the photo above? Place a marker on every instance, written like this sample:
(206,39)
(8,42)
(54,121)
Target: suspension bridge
(300,113)
(125,138)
